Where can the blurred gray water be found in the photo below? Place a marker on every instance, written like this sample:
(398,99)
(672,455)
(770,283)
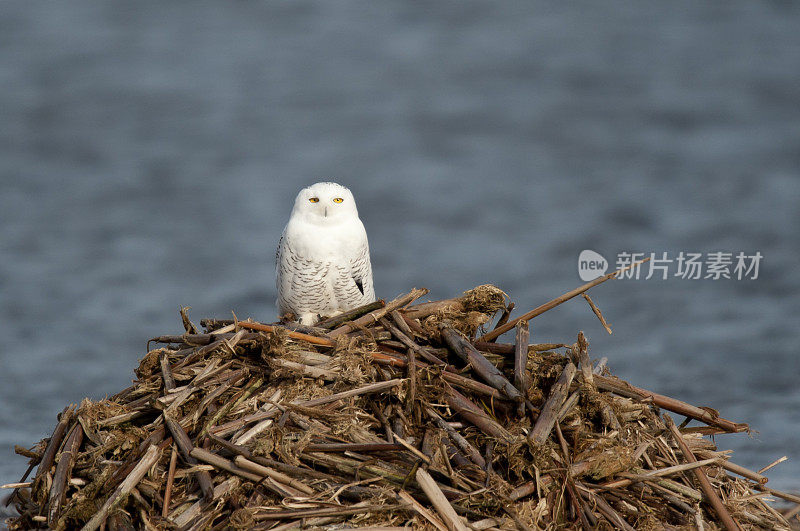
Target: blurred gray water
(150,154)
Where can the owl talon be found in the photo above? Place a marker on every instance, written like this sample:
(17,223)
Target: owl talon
(308,319)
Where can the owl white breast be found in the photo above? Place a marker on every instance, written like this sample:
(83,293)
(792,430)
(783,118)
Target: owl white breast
(322,263)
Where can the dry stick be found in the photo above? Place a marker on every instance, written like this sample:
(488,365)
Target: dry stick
(326,511)
(223,464)
(373,316)
(439,501)
(667,471)
(469,354)
(521,356)
(555,302)
(450,377)
(271,463)
(353,447)
(700,474)
(264,424)
(266,471)
(61,477)
(744,472)
(458,439)
(425,513)
(504,316)
(606,413)
(166,374)
(401,323)
(304,370)
(185,447)
(580,353)
(507,348)
(314,340)
(411,365)
(422,310)
(139,471)
(610,514)
(55,442)
(196,354)
(625,389)
(192,512)
(261,415)
(547,418)
(281,481)
(736,469)
(794,498)
(597,312)
(224,410)
(338,320)
(413,324)
(475,415)
(772,464)
(173,461)
(414,347)
(476,387)
(363,390)
(575,396)
(18,485)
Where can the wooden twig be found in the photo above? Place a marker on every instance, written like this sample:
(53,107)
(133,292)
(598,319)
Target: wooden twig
(597,312)
(223,464)
(166,373)
(439,501)
(667,471)
(606,510)
(185,447)
(63,470)
(478,362)
(422,511)
(314,340)
(555,302)
(148,460)
(475,415)
(262,415)
(401,323)
(671,404)
(173,462)
(521,356)
(48,457)
(411,364)
(547,418)
(375,315)
(722,511)
(195,509)
(504,316)
(464,445)
(249,390)
(338,320)
(352,447)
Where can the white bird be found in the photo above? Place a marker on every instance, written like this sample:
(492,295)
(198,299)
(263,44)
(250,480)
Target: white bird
(322,263)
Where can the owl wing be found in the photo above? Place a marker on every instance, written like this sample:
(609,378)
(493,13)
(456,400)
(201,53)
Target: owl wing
(303,284)
(361,271)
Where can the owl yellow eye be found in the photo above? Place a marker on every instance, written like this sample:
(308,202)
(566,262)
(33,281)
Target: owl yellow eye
(338,200)
(314,199)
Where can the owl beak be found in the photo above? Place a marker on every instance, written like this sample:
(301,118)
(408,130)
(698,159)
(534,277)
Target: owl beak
(326,212)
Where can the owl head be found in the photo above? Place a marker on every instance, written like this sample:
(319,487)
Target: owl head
(325,203)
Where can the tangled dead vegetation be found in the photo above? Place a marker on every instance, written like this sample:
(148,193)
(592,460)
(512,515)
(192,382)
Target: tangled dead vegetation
(392,415)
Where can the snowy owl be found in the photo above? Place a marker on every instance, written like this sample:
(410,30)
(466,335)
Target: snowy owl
(322,264)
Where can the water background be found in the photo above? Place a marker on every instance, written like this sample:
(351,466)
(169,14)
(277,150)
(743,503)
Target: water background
(150,154)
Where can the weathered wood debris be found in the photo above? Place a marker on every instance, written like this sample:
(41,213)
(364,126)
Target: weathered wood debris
(398,415)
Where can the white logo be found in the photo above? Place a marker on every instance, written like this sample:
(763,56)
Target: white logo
(591,265)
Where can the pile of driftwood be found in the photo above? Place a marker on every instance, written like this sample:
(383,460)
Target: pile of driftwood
(391,415)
